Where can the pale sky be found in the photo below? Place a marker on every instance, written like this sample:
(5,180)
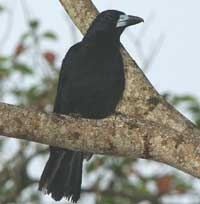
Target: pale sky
(175,68)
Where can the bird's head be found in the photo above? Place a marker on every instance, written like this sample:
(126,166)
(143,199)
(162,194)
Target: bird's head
(111,24)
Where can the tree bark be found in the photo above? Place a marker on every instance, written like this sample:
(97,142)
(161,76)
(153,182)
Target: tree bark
(115,135)
(147,128)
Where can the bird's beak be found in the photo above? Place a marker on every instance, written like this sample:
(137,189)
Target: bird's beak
(126,20)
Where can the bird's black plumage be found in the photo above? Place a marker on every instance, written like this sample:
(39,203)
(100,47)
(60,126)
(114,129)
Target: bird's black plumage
(91,84)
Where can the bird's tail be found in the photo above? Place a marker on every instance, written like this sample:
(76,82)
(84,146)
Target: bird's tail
(62,174)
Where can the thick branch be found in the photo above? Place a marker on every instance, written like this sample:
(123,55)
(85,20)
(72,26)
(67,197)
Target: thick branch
(116,135)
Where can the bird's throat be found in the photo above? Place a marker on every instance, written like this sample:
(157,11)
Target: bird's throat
(103,39)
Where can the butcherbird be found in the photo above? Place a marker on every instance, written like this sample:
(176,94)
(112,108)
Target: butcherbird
(91,84)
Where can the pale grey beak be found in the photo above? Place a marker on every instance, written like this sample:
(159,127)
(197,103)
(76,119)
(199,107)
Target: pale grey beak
(126,20)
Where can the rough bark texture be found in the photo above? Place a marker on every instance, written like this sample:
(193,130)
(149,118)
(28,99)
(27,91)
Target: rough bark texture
(148,128)
(116,135)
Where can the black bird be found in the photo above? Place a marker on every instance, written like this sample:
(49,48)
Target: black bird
(91,84)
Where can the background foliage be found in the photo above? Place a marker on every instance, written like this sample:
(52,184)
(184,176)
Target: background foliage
(28,75)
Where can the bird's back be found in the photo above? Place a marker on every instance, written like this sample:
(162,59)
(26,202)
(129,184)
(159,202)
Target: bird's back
(91,81)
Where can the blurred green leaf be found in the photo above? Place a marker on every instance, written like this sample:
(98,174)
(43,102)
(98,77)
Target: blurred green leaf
(17,92)
(49,35)
(90,167)
(23,68)
(194,108)
(34,24)
(181,185)
(180,99)
(4,72)
(2,8)
(24,36)
(33,93)
(198,122)
(3,59)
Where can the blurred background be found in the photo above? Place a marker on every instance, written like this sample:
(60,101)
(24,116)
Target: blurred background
(34,37)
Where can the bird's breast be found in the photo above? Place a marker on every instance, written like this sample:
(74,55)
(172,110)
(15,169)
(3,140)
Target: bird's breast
(97,85)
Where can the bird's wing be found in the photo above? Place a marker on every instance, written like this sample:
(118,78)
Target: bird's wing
(61,102)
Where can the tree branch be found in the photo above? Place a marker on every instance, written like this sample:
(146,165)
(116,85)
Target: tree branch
(116,135)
